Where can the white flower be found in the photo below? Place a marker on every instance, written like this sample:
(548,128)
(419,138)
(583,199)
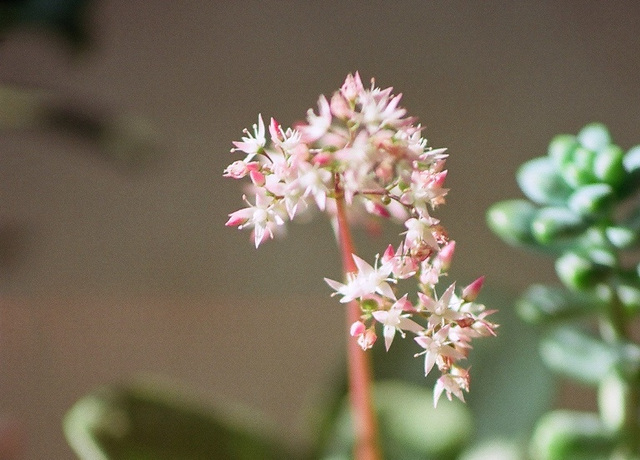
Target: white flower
(393,320)
(261,216)
(252,144)
(366,281)
(452,383)
(437,349)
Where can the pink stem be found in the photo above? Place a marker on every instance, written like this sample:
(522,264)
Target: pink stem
(359,362)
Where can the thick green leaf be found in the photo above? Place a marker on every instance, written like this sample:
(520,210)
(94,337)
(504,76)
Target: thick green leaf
(594,136)
(579,170)
(567,435)
(142,422)
(540,181)
(592,201)
(542,304)
(608,166)
(574,353)
(411,428)
(581,272)
(511,221)
(554,224)
(561,149)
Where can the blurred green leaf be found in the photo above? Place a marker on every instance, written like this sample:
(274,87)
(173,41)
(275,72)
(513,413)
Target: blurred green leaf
(561,149)
(139,422)
(579,170)
(541,183)
(592,201)
(554,224)
(594,136)
(579,272)
(608,166)
(541,304)
(575,353)
(410,427)
(511,221)
(567,435)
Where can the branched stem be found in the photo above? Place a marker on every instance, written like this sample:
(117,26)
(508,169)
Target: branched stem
(359,363)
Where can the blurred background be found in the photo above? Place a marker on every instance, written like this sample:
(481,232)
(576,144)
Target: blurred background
(116,125)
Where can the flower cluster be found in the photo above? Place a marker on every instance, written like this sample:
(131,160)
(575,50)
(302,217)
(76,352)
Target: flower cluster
(362,148)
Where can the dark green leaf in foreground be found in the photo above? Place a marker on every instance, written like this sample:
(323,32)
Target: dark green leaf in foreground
(145,423)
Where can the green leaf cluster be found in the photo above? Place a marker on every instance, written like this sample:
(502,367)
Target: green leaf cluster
(582,207)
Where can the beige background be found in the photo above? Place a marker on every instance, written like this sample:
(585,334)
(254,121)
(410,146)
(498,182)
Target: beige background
(116,272)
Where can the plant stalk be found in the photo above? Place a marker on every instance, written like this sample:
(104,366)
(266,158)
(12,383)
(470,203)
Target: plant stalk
(365,423)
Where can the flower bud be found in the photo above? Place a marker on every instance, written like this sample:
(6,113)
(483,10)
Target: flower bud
(470,293)
(357,328)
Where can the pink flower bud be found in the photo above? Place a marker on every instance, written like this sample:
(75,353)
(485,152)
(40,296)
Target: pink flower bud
(470,293)
(339,106)
(275,129)
(388,255)
(322,159)
(257,178)
(357,328)
(235,220)
(367,339)
(446,255)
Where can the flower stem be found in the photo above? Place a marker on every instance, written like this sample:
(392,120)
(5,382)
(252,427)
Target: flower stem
(358,361)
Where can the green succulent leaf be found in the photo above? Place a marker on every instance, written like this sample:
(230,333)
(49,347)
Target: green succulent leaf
(579,272)
(594,136)
(576,354)
(579,170)
(562,435)
(540,181)
(511,221)
(144,422)
(608,166)
(561,149)
(542,304)
(592,201)
(621,237)
(411,428)
(552,224)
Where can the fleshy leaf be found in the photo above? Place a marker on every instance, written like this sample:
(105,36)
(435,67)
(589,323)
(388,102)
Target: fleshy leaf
(410,427)
(594,136)
(574,353)
(563,434)
(579,272)
(146,422)
(592,201)
(552,224)
(511,221)
(542,304)
(541,183)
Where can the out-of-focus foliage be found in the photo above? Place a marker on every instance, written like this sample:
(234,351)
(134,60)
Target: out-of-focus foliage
(67,18)
(582,208)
